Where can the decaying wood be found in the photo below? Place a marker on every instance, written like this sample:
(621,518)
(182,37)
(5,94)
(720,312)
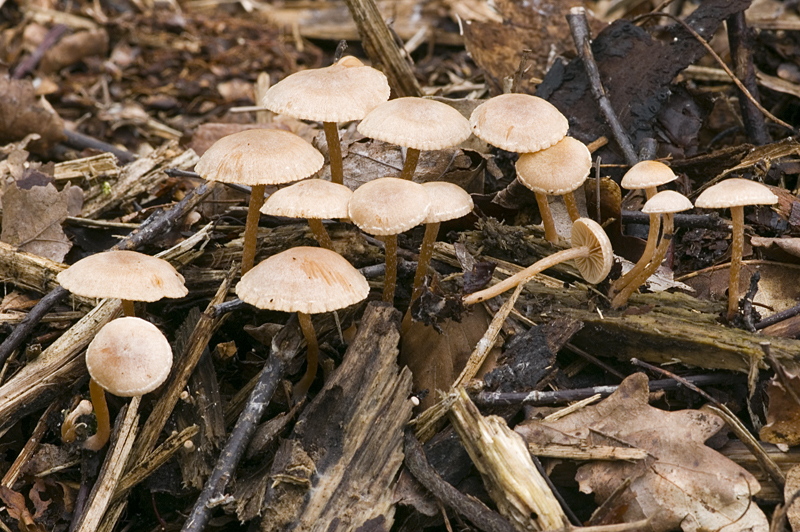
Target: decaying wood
(103,165)
(336,470)
(591,452)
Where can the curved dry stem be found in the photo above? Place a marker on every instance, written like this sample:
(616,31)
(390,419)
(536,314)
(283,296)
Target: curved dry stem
(737,244)
(525,275)
(320,233)
(128,308)
(550,232)
(251,227)
(100,438)
(410,166)
(390,275)
(334,151)
(572,207)
(649,250)
(312,355)
(425,254)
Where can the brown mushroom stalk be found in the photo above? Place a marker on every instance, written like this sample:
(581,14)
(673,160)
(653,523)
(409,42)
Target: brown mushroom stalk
(334,151)
(100,438)
(320,233)
(425,254)
(572,207)
(312,356)
(410,166)
(550,232)
(390,274)
(737,247)
(647,256)
(251,227)
(128,308)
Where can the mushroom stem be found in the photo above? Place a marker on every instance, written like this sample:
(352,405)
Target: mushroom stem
(621,299)
(334,151)
(70,424)
(320,233)
(312,354)
(737,244)
(649,250)
(572,207)
(550,232)
(390,275)
(128,309)
(412,157)
(100,438)
(425,253)
(251,227)
(525,275)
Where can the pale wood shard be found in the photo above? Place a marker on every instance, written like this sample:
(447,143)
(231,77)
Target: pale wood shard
(89,168)
(337,470)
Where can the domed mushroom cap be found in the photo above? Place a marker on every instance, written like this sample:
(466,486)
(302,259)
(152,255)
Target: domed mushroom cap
(312,198)
(646,174)
(448,201)
(667,202)
(259,157)
(388,206)
(416,123)
(303,279)
(129,356)
(344,91)
(519,122)
(124,275)
(556,170)
(735,192)
(595,267)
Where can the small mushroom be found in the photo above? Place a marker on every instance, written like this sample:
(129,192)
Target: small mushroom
(128,357)
(735,194)
(308,281)
(70,425)
(591,250)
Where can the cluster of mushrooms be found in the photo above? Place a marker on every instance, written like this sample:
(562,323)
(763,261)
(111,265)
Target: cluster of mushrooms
(130,356)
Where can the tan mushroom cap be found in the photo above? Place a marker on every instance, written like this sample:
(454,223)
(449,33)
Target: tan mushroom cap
(556,170)
(259,157)
(646,174)
(448,201)
(667,202)
(124,275)
(595,267)
(129,356)
(519,122)
(303,279)
(388,206)
(312,198)
(344,91)
(735,192)
(416,123)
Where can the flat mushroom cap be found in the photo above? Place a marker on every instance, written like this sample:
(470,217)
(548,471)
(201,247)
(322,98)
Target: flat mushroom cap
(312,198)
(389,206)
(595,267)
(259,157)
(519,122)
(667,202)
(556,170)
(646,174)
(448,201)
(303,279)
(125,275)
(416,123)
(735,192)
(344,91)
(129,356)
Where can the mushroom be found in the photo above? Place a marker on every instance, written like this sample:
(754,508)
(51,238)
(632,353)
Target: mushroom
(126,275)
(128,357)
(386,207)
(591,250)
(70,425)
(647,175)
(555,171)
(342,92)
(308,281)
(735,194)
(258,157)
(313,199)
(665,203)
(417,124)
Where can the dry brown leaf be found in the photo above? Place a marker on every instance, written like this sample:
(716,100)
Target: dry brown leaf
(682,483)
(21,113)
(790,245)
(791,487)
(35,495)
(74,48)
(15,506)
(783,413)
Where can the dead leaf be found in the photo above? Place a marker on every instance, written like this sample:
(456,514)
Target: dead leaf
(789,490)
(21,113)
(682,483)
(789,245)
(783,413)
(15,506)
(35,495)
(73,48)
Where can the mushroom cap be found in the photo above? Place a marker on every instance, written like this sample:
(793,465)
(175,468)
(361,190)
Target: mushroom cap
(667,202)
(735,192)
(596,266)
(344,91)
(646,174)
(448,201)
(124,275)
(312,198)
(556,170)
(259,157)
(416,123)
(518,122)
(388,206)
(303,279)
(129,356)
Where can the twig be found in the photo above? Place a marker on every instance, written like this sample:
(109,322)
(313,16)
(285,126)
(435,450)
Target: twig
(690,221)
(747,302)
(50,39)
(34,316)
(740,40)
(79,141)
(580,34)
(778,317)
